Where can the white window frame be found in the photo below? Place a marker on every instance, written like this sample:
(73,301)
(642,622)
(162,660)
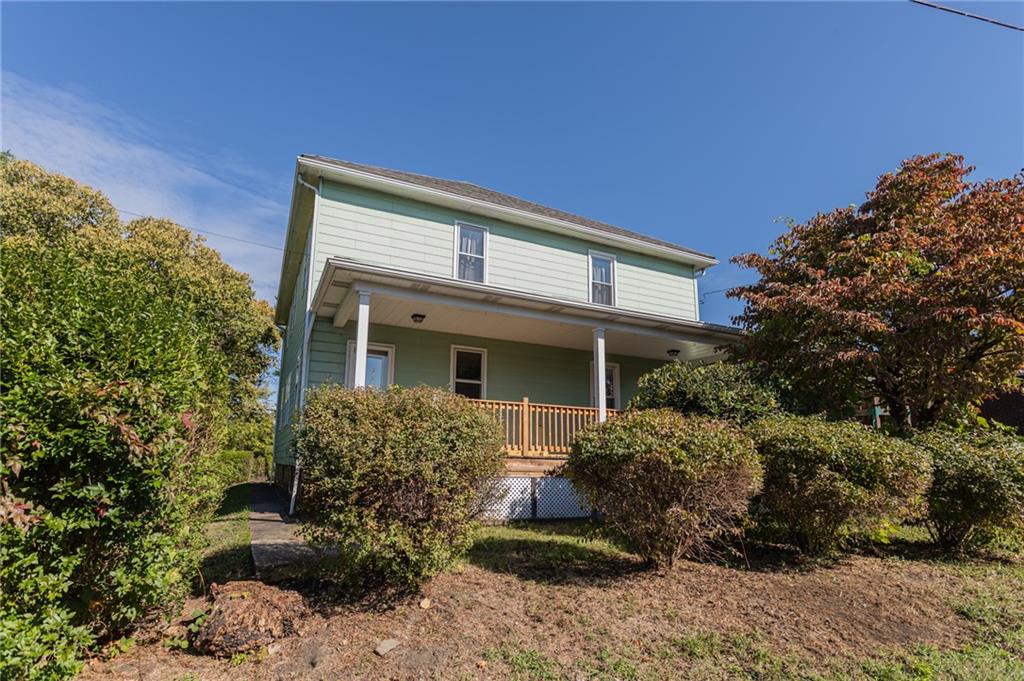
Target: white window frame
(590,277)
(487,251)
(483,368)
(350,361)
(610,368)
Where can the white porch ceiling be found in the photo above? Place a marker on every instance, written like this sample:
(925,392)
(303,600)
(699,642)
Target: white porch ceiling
(489,312)
(449,319)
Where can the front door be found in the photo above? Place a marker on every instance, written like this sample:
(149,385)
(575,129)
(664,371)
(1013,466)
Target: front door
(380,365)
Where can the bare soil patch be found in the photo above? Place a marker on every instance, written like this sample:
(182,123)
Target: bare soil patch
(538,603)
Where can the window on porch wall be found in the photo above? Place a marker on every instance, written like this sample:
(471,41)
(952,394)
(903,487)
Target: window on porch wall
(469,372)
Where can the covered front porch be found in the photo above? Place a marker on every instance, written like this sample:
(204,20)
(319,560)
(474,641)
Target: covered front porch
(534,362)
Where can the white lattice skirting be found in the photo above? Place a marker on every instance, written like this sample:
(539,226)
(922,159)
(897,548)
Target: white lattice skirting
(549,498)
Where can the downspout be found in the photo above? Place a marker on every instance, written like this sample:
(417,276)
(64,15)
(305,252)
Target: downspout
(307,328)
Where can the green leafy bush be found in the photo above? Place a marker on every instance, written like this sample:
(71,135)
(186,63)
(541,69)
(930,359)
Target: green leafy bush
(669,484)
(722,391)
(126,349)
(235,466)
(395,477)
(112,396)
(824,480)
(977,485)
(38,636)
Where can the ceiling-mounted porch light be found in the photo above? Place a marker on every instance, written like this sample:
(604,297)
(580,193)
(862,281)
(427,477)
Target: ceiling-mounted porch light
(418,318)
(673,352)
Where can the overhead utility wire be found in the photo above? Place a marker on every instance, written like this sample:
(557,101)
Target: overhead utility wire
(962,13)
(223,236)
(705,294)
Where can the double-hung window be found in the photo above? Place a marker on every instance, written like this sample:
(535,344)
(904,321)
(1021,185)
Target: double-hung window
(470,252)
(469,372)
(602,279)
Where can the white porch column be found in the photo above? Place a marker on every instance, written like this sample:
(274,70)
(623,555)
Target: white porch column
(600,376)
(362,339)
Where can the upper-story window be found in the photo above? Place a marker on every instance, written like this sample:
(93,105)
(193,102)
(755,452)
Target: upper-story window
(602,279)
(470,252)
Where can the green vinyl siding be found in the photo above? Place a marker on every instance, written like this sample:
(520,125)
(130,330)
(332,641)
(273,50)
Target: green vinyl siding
(381,229)
(514,370)
(289,385)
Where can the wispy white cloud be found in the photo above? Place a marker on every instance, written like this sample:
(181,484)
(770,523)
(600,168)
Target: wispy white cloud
(143,173)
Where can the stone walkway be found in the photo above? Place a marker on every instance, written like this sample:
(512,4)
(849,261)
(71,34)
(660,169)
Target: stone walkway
(275,542)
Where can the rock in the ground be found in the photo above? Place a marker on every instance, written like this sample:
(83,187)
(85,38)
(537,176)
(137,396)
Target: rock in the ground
(386,646)
(176,631)
(247,616)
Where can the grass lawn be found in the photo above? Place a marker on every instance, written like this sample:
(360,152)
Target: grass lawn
(987,595)
(228,556)
(560,601)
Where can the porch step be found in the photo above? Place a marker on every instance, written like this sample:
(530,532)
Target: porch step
(522,466)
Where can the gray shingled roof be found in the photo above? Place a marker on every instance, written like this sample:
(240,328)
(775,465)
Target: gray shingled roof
(473,191)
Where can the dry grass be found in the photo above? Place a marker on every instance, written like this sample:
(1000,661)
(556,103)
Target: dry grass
(558,601)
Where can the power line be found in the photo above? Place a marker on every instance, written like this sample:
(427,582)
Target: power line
(244,241)
(962,13)
(217,234)
(705,294)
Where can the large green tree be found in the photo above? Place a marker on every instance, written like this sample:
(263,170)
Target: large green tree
(128,351)
(915,297)
(50,206)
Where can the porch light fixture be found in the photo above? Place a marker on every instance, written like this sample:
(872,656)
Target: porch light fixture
(673,353)
(418,318)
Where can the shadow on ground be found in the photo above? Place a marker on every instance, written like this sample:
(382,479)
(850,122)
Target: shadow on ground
(226,565)
(228,557)
(236,499)
(588,552)
(553,553)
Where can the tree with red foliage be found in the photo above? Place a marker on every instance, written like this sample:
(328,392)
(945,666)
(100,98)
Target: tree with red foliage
(915,297)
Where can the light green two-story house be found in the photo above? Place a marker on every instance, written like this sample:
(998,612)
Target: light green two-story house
(398,278)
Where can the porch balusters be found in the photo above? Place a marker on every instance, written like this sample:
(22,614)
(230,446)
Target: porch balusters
(539,430)
(525,430)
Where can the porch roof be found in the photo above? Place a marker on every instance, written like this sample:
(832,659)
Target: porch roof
(487,311)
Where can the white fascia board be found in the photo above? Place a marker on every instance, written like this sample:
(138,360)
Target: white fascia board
(287,279)
(515,215)
(292,208)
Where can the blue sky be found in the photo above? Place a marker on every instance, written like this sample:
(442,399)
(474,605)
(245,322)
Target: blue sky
(698,123)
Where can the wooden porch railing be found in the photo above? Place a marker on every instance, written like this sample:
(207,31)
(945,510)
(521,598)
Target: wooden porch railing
(540,429)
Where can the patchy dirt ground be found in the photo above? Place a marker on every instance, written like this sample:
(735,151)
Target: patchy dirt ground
(537,603)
